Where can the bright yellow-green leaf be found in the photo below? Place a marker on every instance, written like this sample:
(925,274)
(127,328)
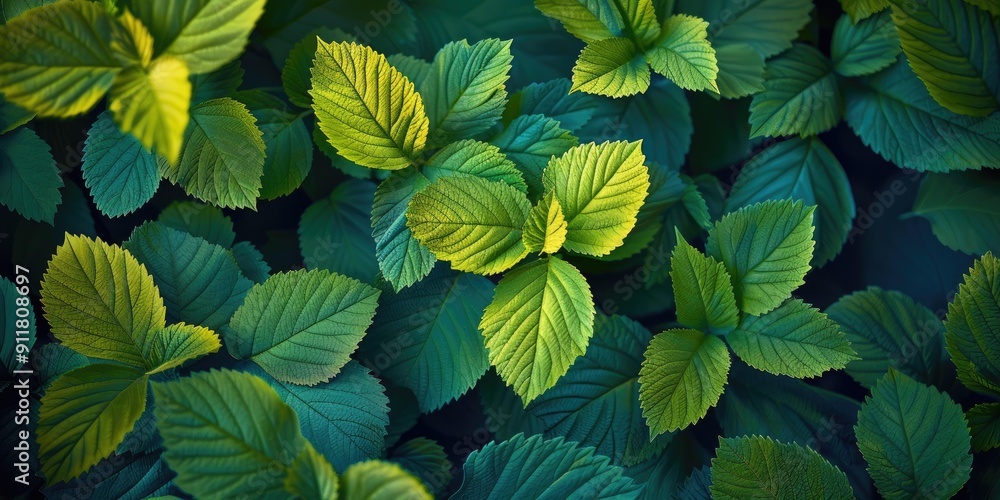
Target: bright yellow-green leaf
(100,301)
(311,476)
(612,67)
(205,34)
(85,415)
(471,222)
(588,20)
(222,159)
(545,229)
(640,16)
(540,321)
(684,54)
(683,375)
(152,104)
(58,59)
(380,480)
(170,347)
(703,290)
(367,109)
(600,188)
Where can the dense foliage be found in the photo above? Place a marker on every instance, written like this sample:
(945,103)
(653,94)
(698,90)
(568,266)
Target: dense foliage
(549,249)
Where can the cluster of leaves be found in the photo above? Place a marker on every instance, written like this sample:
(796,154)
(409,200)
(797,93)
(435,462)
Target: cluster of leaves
(465,251)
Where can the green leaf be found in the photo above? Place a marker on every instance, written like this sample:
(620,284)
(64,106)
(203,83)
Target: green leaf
(121,175)
(588,20)
(545,229)
(152,104)
(311,476)
(302,326)
(85,414)
(895,116)
(801,169)
(335,232)
(952,47)
(427,460)
(296,74)
(741,70)
(914,438)
(987,5)
(794,340)
(768,26)
(414,68)
(429,335)
(973,326)
(864,48)
(344,418)
(612,67)
(232,424)
(222,160)
(861,9)
(471,158)
(888,329)
(963,209)
(100,301)
(251,262)
(984,421)
(465,91)
(200,282)
(289,151)
(220,83)
(176,344)
(703,290)
(793,411)
(120,476)
(640,20)
(750,466)
(205,34)
(402,259)
(50,65)
(766,248)
(29,179)
(541,468)
(682,376)
(378,123)
(600,188)
(59,359)
(540,321)
(596,402)
(471,222)
(800,96)
(660,118)
(201,220)
(379,480)
(530,141)
(684,54)
(12,116)
(552,99)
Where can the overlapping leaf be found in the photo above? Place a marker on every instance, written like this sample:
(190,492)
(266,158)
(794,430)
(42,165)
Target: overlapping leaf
(302,326)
